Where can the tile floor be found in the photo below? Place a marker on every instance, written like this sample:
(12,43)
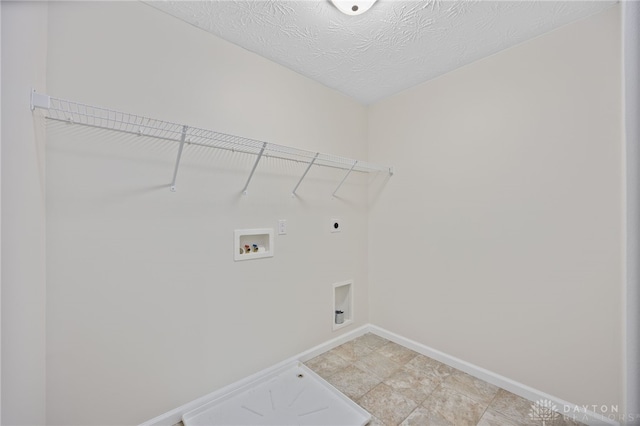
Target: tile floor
(401,387)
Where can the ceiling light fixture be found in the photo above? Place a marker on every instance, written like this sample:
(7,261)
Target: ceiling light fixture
(353,7)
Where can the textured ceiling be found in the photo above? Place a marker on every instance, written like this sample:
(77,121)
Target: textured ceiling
(395,45)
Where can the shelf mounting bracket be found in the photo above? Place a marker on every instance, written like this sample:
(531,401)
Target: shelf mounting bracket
(39,100)
(175,170)
(344,178)
(246,185)
(293,193)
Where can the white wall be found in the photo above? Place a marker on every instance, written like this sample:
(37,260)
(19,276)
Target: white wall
(631,25)
(499,239)
(24,30)
(146,309)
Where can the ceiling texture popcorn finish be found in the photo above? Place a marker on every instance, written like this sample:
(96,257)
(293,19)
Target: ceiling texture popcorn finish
(393,46)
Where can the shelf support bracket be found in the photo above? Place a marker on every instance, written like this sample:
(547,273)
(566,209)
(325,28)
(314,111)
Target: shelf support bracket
(246,185)
(39,100)
(344,178)
(175,170)
(293,193)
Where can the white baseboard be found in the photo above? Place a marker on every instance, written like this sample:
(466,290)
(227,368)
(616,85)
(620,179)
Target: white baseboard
(174,416)
(581,414)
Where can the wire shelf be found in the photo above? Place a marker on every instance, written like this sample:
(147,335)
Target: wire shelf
(93,116)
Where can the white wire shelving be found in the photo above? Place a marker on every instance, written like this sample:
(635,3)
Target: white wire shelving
(93,116)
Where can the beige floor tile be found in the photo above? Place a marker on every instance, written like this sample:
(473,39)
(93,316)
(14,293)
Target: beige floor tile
(353,382)
(388,406)
(493,418)
(454,407)
(352,351)
(423,417)
(371,340)
(412,385)
(378,365)
(397,385)
(397,353)
(476,389)
(327,364)
(375,422)
(513,407)
(425,365)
